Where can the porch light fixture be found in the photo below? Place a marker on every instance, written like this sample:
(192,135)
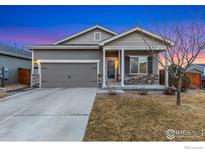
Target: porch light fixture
(35,61)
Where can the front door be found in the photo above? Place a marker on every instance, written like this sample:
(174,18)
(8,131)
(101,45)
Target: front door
(111,69)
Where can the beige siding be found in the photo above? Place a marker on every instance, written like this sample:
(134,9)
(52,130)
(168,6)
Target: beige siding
(136,39)
(88,38)
(66,54)
(70,54)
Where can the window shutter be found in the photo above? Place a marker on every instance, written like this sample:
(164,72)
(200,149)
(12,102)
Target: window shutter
(150,65)
(127,64)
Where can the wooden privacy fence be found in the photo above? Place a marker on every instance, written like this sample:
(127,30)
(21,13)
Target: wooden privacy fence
(195,78)
(161,77)
(24,76)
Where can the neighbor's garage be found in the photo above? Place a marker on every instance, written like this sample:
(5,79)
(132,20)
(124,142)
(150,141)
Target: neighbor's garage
(68,75)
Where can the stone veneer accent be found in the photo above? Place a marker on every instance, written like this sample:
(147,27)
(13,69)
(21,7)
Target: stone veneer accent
(147,79)
(35,80)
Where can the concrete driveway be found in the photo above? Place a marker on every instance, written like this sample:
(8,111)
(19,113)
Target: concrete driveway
(46,114)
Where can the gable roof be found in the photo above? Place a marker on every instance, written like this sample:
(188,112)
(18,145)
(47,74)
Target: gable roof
(195,69)
(84,31)
(198,67)
(202,65)
(133,30)
(15,52)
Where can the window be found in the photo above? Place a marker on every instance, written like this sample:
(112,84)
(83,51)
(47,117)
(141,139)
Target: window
(97,36)
(138,64)
(134,64)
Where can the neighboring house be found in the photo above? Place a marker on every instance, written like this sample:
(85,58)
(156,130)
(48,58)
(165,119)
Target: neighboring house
(12,59)
(198,68)
(98,56)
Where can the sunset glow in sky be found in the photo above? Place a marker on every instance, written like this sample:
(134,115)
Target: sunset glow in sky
(32,25)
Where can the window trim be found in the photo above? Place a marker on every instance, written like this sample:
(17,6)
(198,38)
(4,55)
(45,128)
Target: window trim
(139,65)
(99,36)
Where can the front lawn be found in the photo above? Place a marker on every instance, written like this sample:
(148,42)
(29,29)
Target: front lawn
(134,117)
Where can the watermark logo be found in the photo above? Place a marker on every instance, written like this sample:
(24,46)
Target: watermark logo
(170,134)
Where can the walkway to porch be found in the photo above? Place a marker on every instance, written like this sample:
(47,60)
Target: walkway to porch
(117,85)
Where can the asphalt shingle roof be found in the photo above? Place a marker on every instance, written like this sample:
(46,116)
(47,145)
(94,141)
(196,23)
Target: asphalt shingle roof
(12,51)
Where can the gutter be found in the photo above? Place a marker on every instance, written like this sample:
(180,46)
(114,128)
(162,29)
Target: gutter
(62,47)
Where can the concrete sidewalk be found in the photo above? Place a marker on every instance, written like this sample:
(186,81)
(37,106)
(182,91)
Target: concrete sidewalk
(13,87)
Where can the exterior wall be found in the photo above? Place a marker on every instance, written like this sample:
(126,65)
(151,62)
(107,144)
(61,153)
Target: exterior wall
(135,39)
(13,64)
(66,54)
(70,54)
(88,38)
(88,54)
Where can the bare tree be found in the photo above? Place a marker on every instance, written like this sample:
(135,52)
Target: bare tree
(189,42)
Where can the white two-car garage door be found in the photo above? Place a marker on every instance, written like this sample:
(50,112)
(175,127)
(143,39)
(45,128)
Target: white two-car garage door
(68,75)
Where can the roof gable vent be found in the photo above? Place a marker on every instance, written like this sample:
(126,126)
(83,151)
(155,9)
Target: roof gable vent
(97,36)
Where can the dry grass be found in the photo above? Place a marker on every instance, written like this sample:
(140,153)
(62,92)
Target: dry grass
(134,117)
(3,94)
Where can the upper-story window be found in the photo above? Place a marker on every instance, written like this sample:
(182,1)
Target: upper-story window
(97,36)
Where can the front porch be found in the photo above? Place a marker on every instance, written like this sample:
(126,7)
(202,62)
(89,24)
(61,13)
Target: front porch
(130,69)
(117,86)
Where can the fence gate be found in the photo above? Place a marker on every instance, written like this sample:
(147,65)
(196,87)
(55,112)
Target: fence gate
(24,76)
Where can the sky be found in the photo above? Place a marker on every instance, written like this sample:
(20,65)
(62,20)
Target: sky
(36,25)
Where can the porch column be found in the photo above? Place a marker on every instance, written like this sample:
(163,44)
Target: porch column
(39,73)
(122,67)
(32,69)
(158,64)
(103,85)
(119,70)
(166,70)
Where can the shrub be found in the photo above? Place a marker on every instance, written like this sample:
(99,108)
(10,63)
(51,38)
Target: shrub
(186,81)
(170,91)
(111,92)
(143,92)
